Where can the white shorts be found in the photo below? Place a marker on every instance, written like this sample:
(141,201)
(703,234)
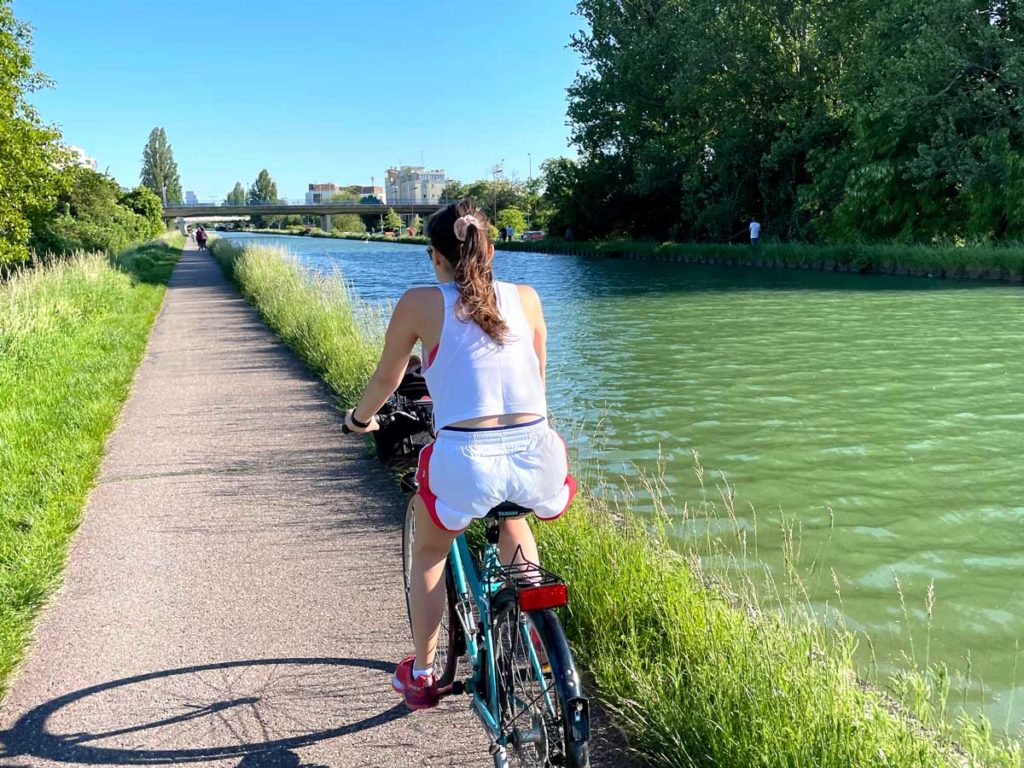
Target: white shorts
(463,474)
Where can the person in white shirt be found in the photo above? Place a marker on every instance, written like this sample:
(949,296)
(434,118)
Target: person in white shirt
(755,231)
(485,372)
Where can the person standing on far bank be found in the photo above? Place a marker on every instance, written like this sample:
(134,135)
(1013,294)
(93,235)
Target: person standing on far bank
(755,231)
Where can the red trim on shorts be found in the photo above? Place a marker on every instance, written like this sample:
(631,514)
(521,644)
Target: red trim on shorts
(570,481)
(432,354)
(423,479)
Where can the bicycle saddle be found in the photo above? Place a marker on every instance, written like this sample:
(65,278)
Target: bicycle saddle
(507,511)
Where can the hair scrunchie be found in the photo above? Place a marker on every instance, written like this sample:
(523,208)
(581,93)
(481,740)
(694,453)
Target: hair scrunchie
(462,226)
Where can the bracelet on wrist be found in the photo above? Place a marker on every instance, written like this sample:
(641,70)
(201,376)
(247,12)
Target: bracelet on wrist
(357,422)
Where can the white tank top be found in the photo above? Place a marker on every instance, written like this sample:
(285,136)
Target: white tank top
(472,376)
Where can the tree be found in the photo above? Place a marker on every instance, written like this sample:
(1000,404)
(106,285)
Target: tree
(453,191)
(237,195)
(417,224)
(263,190)
(512,217)
(92,214)
(30,155)
(860,120)
(159,171)
(146,204)
(347,222)
(392,221)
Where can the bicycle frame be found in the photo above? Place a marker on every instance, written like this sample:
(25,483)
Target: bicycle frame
(468,583)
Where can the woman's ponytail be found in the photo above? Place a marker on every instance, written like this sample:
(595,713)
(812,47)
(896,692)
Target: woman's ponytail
(461,232)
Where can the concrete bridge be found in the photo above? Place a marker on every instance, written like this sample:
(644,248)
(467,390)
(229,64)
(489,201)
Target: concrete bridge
(299,208)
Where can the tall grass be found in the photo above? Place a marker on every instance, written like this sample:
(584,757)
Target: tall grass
(697,671)
(313,314)
(71,336)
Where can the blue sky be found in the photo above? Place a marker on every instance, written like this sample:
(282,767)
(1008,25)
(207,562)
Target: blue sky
(325,91)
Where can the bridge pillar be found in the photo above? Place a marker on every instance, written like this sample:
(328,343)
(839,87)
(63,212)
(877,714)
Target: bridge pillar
(325,222)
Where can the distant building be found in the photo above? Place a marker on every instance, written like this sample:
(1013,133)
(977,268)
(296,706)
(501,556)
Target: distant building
(415,184)
(191,199)
(82,160)
(320,193)
(377,192)
(324,193)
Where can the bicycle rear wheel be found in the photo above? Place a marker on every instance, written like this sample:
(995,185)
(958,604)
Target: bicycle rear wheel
(543,711)
(446,658)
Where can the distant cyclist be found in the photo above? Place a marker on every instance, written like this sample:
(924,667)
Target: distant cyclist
(485,371)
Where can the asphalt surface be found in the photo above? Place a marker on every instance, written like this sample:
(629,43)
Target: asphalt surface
(233,597)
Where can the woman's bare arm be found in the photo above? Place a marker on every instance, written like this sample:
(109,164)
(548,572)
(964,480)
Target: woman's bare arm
(399,340)
(535,317)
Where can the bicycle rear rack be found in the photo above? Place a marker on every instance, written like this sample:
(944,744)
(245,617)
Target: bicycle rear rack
(534,587)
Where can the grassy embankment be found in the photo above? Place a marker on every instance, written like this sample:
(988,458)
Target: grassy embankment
(71,336)
(1005,263)
(696,672)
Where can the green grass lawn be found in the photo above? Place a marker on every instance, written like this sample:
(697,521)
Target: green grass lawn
(71,337)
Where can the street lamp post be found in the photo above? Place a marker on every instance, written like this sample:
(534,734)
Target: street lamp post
(529,201)
(494,188)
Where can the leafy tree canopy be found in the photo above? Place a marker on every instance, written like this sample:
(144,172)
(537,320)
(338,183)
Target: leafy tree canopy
(30,155)
(159,171)
(512,217)
(392,220)
(237,195)
(92,214)
(857,120)
(263,190)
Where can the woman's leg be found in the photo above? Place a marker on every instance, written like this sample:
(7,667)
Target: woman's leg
(429,554)
(516,534)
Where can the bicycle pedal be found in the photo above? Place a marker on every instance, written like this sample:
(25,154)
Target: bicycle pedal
(457,688)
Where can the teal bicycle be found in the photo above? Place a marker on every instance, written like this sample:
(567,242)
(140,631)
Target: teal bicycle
(522,677)
(499,620)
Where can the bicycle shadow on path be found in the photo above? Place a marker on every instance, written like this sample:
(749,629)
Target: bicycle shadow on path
(259,710)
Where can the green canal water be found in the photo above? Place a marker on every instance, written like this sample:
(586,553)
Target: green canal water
(882,417)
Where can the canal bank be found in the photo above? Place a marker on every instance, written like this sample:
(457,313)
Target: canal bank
(683,667)
(991,263)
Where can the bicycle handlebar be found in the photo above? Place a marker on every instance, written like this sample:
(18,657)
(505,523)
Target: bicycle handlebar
(383,419)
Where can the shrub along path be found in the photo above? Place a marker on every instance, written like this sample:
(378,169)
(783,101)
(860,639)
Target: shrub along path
(233,597)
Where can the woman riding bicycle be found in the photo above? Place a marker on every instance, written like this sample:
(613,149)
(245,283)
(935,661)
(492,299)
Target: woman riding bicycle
(485,371)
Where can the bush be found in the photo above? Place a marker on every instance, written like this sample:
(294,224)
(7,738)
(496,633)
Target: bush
(93,215)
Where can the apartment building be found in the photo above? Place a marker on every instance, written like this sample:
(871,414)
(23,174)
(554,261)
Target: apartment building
(324,193)
(414,184)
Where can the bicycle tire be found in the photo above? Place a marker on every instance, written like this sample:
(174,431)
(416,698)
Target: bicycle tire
(559,731)
(446,657)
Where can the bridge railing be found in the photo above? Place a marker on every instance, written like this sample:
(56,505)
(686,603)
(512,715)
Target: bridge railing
(285,201)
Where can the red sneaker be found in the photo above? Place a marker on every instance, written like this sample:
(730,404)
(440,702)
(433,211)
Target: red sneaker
(538,648)
(420,693)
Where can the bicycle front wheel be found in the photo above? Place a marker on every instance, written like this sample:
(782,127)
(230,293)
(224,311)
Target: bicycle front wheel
(446,657)
(543,711)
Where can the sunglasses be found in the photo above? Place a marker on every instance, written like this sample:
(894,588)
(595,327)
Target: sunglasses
(430,251)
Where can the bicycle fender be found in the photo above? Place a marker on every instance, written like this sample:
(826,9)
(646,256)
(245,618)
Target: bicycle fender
(563,669)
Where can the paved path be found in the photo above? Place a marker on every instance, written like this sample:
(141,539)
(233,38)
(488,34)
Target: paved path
(233,597)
